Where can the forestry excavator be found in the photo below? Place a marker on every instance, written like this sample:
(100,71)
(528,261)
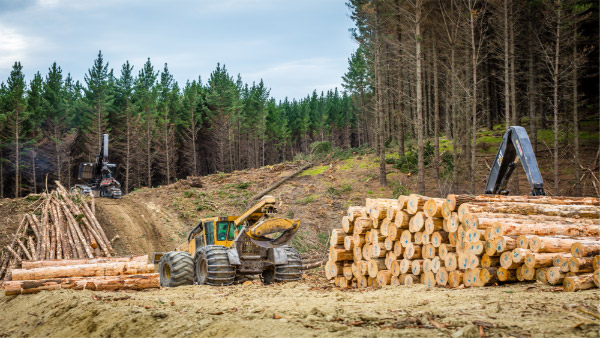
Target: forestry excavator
(97,178)
(219,249)
(515,142)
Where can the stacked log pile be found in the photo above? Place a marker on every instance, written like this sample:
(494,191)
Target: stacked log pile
(468,240)
(64,226)
(107,273)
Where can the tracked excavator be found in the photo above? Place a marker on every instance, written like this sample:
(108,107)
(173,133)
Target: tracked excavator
(98,178)
(220,250)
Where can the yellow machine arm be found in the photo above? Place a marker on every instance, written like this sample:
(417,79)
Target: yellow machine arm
(265,229)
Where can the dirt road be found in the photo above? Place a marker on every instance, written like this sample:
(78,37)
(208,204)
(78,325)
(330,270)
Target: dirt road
(304,309)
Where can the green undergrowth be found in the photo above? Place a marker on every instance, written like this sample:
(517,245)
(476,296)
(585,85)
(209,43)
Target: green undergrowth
(314,170)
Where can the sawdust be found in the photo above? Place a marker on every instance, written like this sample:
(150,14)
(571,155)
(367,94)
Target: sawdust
(310,308)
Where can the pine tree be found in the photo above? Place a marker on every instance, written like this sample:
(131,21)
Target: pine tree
(128,121)
(190,122)
(15,105)
(98,100)
(35,111)
(145,99)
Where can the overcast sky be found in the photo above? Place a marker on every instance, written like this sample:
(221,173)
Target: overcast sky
(294,46)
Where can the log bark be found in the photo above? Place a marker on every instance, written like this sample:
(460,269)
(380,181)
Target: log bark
(84,270)
(340,254)
(454,201)
(556,243)
(584,249)
(337,237)
(66,262)
(581,282)
(576,211)
(106,283)
(486,220)
(580,264)
(515,229)
(506,275)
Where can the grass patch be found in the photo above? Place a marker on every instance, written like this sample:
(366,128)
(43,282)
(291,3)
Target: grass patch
(308,199)
(314,170)
(348,165)
(323,238)
(489,139)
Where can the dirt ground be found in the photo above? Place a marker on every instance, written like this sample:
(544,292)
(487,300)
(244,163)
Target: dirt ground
(311,308)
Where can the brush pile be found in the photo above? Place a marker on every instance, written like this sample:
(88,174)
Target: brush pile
(468,240)
(64,226)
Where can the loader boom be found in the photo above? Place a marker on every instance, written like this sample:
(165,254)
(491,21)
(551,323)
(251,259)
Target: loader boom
(514,143)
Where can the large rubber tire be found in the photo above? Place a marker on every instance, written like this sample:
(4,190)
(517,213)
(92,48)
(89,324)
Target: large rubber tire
(292,270)
(212,266)
(176,268)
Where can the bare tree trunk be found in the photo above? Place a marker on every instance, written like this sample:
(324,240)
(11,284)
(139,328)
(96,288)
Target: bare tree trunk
(420,145)
(194,147)
(33,154)
(1,175)
(531,96)
(575,116)
(506,68)
(402,117)
(127,148)
(167,147)
(555,95)
(148,148)
(436,118)
(17,154)
(380,114)
(58,152)
(454,118)
(474,105)
(513,88)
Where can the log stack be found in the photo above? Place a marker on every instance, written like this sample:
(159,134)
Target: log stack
(64,226)
(106,273)
(468,240)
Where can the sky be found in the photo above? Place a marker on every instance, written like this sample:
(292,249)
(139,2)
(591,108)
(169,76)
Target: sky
(294,46)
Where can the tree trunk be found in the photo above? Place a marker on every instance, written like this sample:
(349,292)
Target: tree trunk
(474,104)
(418,75)
(531,91)
(17,155)
(148,148)
(576,117)
(436,118)
(506,68)
(555,96)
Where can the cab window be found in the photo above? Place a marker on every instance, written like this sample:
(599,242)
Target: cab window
(210,234)
(231,233)
(222,230)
